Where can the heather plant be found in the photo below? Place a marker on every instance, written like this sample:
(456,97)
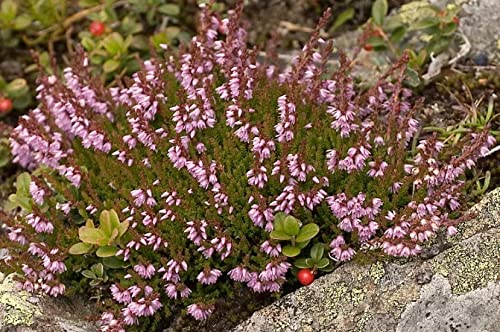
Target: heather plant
(198,171)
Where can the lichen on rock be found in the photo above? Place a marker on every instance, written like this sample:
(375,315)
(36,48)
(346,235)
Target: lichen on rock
(15,308)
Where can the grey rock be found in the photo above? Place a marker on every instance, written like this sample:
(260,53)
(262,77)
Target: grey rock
(479,22)
(438,310)
(456,290)
(23,312)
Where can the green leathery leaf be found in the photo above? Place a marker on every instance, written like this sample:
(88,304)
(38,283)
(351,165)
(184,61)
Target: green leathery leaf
(307,232)
(279,221)
(80,248)
(379,11)
(290,251)
(301,263)
(279,235)
(93,236)
(317,251)
(106,251)
(323,263)
(291,226)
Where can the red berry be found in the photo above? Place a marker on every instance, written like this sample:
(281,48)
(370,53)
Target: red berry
(305,277)
(5,105)
(368,47)
(455,20)
(97,28)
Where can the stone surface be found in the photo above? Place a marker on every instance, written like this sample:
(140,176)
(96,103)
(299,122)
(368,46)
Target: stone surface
(456,289)
(479,22)
(23,312)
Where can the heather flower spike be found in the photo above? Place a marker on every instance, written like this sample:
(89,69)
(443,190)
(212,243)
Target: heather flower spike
(208,169)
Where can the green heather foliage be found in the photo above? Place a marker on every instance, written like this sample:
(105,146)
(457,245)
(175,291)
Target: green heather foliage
(204,172)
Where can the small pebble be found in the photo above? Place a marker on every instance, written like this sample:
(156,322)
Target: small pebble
(480,59)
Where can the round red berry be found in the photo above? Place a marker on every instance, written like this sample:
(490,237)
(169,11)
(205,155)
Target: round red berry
(368,47)
(455,20)
(5,105)
(305,277)
(97,28)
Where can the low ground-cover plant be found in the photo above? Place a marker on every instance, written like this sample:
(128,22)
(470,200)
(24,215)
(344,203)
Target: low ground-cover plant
(190,179)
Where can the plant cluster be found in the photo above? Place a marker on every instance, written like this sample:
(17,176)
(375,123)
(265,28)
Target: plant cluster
(478,117)
(114,33)
(422,30)
(206,170)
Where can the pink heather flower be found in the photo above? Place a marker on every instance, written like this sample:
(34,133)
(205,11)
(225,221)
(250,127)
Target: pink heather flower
(150,201)
(139,197)
(298,169)
(37,193)
(379,141)
(355,159)
(206,252)
(348,224)
(53,291)
(273,286)
(377,169)
(239,274)
(27,286)
(209,276)
(134,291)
(331,160)
(395,232)
(273,251)
(145,306)
(108,323)
(15,235)
(222,246)
(255,283)
(274,271)
(200,311)
(129,318)
(35,250)
(262,149)
(340,251)
(312,198)
(184,290)
(173,290)
(173,269)
(337,242)
(366,232)
(286,200)
(343,254)
(284,128)
(64,207)
(120,296)
(338,205)
(91,209)
(257,177)
(259,215)
(40,224)
(53,266)
(343,121)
